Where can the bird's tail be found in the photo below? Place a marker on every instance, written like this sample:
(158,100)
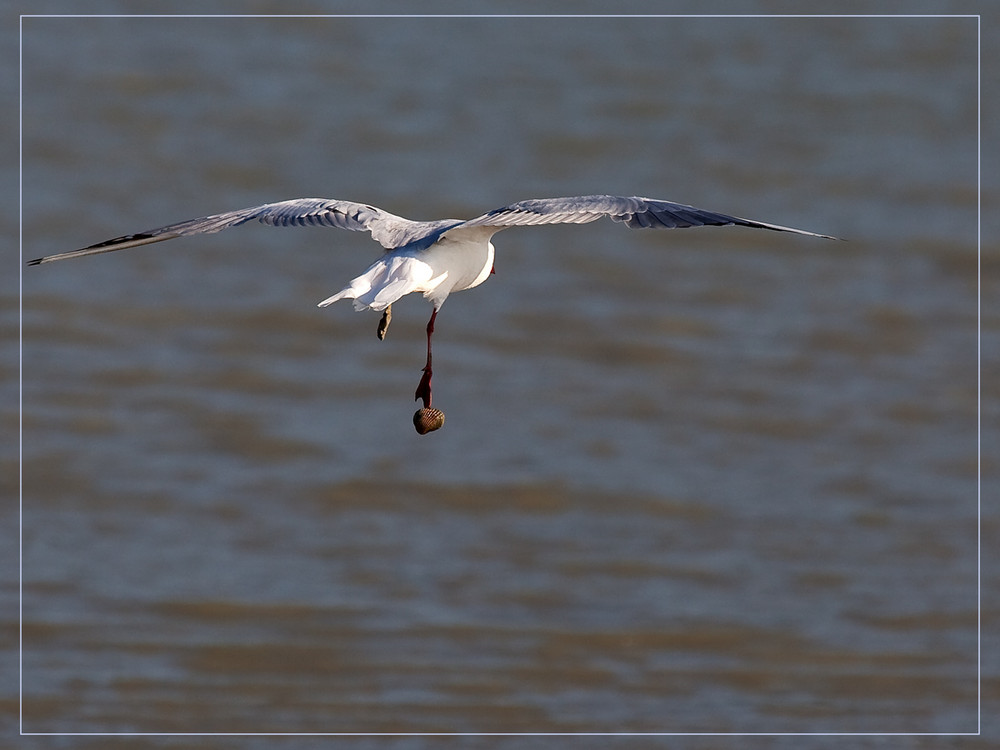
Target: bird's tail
(388,279)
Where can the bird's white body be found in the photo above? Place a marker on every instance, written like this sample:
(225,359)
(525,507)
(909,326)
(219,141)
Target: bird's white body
(459,260)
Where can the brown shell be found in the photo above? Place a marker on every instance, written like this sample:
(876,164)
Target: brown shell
(428,419)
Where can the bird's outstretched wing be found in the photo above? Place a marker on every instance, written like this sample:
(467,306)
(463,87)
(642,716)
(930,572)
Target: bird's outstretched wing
(633,212)
(387,229)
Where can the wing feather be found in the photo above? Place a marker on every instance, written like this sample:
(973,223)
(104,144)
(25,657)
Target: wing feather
(387,229)
(634,212)
(393,231)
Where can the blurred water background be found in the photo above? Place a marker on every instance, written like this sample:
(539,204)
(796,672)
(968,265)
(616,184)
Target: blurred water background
(714,480)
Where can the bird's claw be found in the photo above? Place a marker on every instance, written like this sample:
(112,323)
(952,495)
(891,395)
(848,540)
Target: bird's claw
(424,388)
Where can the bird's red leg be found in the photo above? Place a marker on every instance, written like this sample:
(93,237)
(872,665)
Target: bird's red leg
(424,388)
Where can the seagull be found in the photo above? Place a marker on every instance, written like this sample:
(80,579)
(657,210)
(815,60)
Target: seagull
(434,258)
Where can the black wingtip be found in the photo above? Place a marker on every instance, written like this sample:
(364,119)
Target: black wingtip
(122,240)
(34,262)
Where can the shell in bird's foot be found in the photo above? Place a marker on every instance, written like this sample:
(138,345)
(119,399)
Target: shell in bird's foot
(428,419)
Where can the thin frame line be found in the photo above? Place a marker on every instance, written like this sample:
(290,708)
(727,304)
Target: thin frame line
(979,375)
(978,18)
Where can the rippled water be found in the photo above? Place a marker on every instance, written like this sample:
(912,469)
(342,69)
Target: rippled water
(713,480)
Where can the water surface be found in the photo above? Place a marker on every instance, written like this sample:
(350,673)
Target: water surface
(690,481)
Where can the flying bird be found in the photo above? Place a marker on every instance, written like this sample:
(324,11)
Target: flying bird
(435,258)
